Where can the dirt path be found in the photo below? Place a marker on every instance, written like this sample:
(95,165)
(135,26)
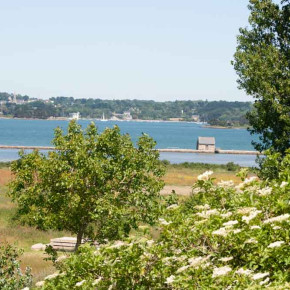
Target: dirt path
(180,190)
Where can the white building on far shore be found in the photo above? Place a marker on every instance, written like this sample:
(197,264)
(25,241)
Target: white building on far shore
(74,116)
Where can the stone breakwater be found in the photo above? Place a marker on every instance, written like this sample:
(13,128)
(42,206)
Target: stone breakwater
(175,150)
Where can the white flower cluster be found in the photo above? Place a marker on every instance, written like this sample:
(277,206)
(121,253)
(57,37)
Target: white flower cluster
(183,268)
(221,271)
(39,284)
(207,213)
(97,281)
(226,184)
(265,281)
(197,261)
(202,207)
(279,218)
(197,190)
(227,214)
(169,260)
(251,241)
(173,206)
(194,263)
(230,223)
(224,231)
(251,216)
(164,222)
(246,210)
(255,227)
(170,279)
(79,284)
(265,191)
(246,182)
(221,232)
(205,176)
(242,271)
(226,259)
(256,276)
(52,276)
(259,276)
(250,179)
(150,243)
(276,244)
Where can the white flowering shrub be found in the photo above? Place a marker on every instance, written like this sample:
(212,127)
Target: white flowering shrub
(11,276)
(223,237)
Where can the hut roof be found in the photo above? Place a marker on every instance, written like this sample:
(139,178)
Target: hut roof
(206,140)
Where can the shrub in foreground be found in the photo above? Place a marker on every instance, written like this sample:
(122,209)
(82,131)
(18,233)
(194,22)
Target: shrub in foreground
(11,276)
(223,237)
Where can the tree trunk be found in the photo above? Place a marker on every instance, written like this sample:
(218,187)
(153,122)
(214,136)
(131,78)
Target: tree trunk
(79,239)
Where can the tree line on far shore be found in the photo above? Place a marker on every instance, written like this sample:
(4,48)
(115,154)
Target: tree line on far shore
(221,113)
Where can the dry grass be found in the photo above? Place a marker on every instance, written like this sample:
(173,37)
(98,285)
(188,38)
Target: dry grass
(186,176)
(5,176)
(40,268)
(24,237)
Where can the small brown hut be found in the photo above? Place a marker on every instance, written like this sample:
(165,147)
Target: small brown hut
(206,144)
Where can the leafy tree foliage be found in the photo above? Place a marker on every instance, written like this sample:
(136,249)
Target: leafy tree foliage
(11,277)
(262,62)
(97,186)
(274,165)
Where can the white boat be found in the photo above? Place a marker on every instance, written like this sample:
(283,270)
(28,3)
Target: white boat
(103,118)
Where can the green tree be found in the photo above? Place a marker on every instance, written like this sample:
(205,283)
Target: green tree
(262,62)
(97,186)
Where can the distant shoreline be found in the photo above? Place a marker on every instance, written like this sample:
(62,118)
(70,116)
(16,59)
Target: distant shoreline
(224,127)
(94,119)
(204,125)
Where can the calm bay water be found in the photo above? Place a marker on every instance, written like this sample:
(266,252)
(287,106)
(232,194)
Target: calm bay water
(166,134)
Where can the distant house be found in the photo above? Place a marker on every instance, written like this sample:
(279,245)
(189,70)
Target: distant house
(74,116)
(206,144)
(127,116)
(195,118)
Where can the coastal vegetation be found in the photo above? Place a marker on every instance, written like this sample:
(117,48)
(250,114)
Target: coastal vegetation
(224,234)
(183,249)
(219,113)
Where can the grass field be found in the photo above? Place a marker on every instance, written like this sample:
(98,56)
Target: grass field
(180,178)
(24,237)
(187,176)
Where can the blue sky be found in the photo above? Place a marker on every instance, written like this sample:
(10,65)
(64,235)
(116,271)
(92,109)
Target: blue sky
(143,49)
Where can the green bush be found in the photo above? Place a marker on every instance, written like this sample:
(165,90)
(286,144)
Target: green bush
(231,166)
(274,165)
(223,237)
(202,166)
(11,276)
